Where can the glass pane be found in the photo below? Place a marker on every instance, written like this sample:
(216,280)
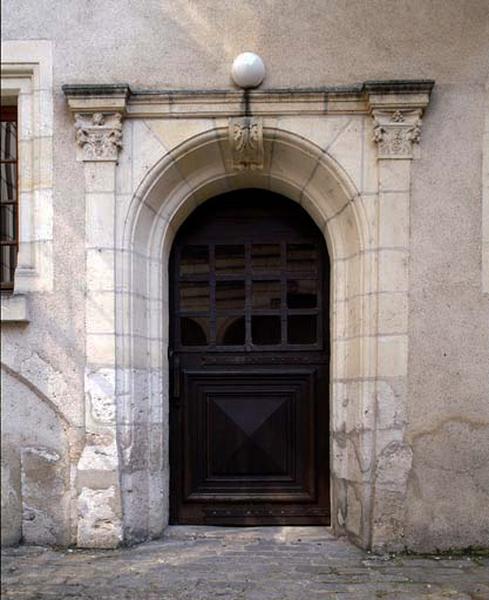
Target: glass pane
(194,260)
(266,294)
(302,293)
(8,140)
(230,295)
(265,257)
(8,172)
(8,228)
(230,331)
(194,331)
(301,329)
(194,296)
(265,330)
(8,260)
(230,259)
(301,257)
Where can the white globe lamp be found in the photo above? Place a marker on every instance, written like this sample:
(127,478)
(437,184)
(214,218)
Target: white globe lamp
(248,70)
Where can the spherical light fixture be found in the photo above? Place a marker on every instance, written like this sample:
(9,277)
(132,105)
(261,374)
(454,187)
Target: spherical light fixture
(248,70)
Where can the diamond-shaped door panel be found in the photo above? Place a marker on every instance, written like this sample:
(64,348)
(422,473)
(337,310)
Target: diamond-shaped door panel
(249,432)
(258,430)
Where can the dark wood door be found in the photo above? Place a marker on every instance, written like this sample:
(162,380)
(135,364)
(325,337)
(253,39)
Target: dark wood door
(249,360)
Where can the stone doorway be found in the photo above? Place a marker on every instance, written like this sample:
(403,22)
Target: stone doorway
(350,173)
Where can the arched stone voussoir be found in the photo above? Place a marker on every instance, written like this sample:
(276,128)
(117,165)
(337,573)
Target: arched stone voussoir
(199,168)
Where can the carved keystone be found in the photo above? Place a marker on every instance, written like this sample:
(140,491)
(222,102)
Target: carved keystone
(246,140)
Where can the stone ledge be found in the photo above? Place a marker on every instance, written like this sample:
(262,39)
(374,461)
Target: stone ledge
(207,103)
(14,309)
(399,86)
(87,89)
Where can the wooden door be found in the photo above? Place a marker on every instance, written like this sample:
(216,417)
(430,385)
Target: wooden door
(249,360)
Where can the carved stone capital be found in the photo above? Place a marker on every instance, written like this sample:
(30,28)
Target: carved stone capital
(396,108)
(98,135)
(396,132)
(98,112)
(246,140)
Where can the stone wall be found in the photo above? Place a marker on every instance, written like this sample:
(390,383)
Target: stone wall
(183,45)
(35,466)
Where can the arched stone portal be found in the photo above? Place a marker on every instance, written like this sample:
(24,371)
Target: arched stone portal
(340,169)
(183,180)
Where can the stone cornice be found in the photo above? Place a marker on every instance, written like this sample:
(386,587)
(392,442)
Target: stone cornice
(354,99)
(395,106)
(399,86)
(97,98)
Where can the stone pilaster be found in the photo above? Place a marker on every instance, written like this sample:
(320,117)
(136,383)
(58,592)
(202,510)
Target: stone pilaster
(98,112)
(396,109)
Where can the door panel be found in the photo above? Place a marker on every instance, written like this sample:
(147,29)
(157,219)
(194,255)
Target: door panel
(249,354)
(249,432)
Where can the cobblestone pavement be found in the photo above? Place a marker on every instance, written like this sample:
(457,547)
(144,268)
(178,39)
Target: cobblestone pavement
(275,563)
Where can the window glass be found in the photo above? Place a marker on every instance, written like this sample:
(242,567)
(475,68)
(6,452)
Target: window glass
(265,257)
(194,260)
(266,294)
(230,295)
(301,329)
(8,139)
(230,259)
(194,296)
(230,331)
(8,222)
(301,257)
(302,293)
(265,330)
(194,331)
(8,175)
(8,196)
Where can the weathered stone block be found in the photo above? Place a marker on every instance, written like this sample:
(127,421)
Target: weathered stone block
(99,519)
(100,395)
(45,496)
(11,496)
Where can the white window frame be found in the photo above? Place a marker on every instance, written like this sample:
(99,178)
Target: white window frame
(27,81)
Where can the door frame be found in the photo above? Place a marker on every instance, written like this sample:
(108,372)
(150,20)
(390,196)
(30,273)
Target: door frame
(365,366)
(344,155)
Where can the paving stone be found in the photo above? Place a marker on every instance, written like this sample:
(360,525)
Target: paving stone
(210,563)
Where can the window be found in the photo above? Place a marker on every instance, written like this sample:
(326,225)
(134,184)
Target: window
(8,199)
(26,228)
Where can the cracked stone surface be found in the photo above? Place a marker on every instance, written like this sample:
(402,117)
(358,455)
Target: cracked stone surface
(273,563)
